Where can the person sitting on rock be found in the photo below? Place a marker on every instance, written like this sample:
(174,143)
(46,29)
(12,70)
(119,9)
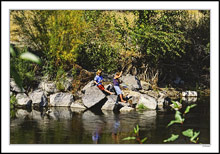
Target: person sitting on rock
(116,83)
(98,81)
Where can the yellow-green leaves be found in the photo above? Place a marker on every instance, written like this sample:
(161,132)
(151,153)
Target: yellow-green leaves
(172,138)
(189,107)
(178,119)
(192,135)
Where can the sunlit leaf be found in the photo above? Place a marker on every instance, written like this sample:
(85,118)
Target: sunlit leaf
(171,122)
(129,138)
(172,138)
(12,51)
(196,134)
(189,107)
(178,119)
(137,128)
(30,57)
(143,140)
(188,133)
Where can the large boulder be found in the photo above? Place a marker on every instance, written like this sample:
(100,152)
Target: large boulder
(77,104)
(23,99)
(110,103)
(92,96)
(89,85)
(61,99)
(135,96)
(147,101)
(38,98)
(132,82)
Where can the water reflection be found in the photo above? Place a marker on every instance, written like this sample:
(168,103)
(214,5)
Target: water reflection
(115,129)
(63,125)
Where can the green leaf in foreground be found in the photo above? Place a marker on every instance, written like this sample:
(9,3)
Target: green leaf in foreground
(196,134)
(178,119)
(12,51)
(188,133)
(143,140)
(192,135)
(129,138)
(16,77)
(30,57)
(172,138)
(189,107)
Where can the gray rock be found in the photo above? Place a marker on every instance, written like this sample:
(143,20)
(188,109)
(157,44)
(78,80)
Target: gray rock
(38,98)
(68,84)
(110,103)
(77,104)
(48,86)
(160,100)
(126,109)
(145,86)
(61,99)
(89,85)
(152,93)
(147,101)
(23,99)
(189,94)
(132,82)
(92,96)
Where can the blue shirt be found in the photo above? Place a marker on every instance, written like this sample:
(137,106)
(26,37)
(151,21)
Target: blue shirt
(98,79)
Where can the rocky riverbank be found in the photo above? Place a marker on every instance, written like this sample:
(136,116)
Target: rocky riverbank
(139,94)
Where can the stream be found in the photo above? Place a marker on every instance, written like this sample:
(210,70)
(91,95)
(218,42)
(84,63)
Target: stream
(65,125)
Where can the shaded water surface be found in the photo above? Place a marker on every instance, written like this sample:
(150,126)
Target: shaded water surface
(73,126)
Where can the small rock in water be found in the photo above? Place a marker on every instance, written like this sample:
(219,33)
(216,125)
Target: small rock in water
(189,93)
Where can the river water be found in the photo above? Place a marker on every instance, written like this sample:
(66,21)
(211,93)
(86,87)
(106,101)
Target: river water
(65,125)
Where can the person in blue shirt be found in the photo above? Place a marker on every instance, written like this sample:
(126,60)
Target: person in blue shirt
(98,81)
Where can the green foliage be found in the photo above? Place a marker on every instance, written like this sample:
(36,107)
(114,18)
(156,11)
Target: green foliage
(136,130)
(172,138)
(176,105)
(55,34)
(98,56)
(30,57)
(170,41)
(178,119)
(192,135)
(21,70)
(13,101)
(129,138)
(60,79)
(188,108)
(141,107)
(136,137)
